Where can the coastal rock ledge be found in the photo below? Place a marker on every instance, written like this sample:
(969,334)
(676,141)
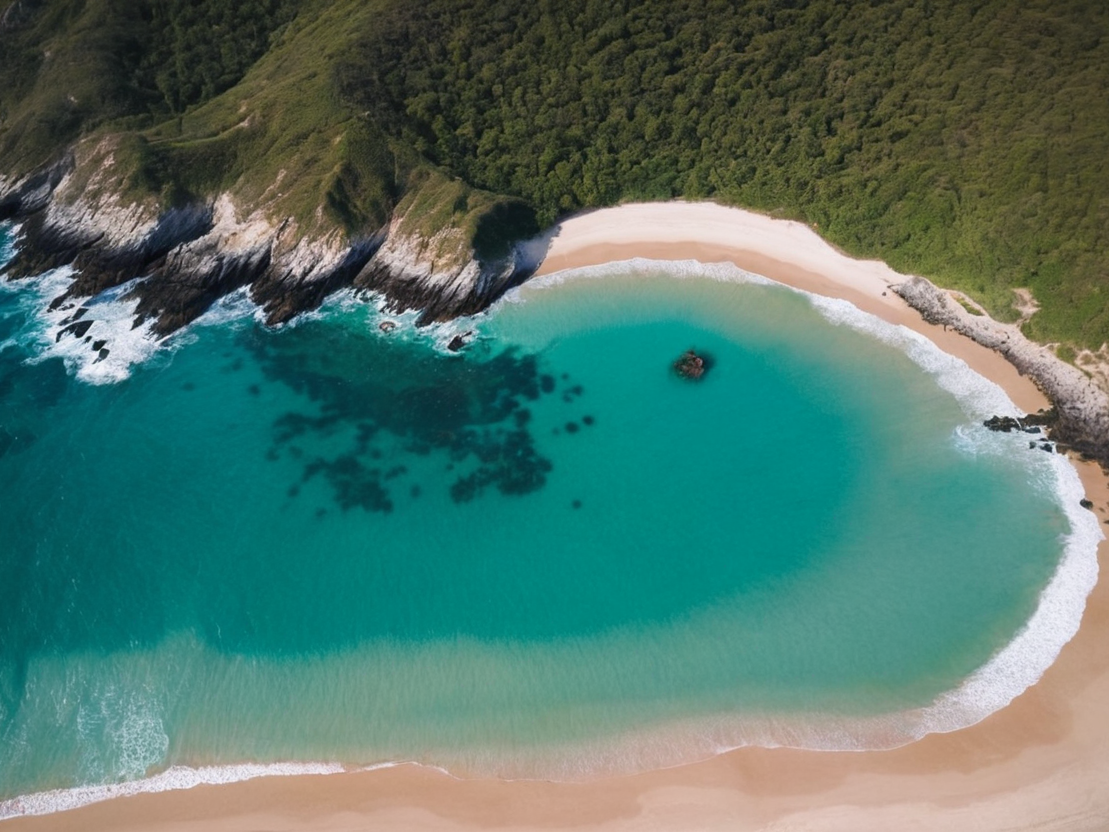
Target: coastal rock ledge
(1081,406)
(182,259)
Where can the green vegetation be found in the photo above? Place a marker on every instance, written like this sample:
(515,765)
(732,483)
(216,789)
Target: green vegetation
(960,140)
(969,307)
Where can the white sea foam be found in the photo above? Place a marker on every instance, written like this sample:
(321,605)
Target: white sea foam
(111,318)
(1023,661)
(172,779)
(111,315)
(979,397)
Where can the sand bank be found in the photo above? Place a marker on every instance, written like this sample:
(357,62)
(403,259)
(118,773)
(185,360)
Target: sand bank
(1042,762)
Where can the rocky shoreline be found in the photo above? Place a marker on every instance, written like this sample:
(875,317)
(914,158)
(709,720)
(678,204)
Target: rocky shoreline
(1080,421)
(189,257)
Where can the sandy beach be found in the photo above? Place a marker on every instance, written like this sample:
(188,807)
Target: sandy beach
(1040,763)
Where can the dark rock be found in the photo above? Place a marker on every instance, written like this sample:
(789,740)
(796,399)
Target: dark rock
(76,316)
(1003,424)
(100,356)
(1045,418)
(387,326)
(77,330)
(99,345)
(459,341)
(587,420)
(690,365)
(441,297)
(1047,447)
(1086,504)
(187,284)
(282,295)
(33,193)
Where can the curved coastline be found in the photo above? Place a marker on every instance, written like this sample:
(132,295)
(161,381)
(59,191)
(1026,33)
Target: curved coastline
(754,786)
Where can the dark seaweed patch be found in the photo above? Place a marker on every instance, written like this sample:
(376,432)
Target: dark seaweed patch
(355,485)
(374,400)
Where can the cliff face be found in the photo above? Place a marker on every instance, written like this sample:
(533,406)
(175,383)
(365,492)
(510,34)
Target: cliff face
(437,273)
(78,214)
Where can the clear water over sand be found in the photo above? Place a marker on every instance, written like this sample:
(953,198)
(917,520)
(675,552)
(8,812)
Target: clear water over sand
(546,555)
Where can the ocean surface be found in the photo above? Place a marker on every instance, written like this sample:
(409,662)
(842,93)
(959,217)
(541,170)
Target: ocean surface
(252,551)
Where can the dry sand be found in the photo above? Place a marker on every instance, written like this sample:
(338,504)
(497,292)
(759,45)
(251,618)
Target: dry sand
(1041,763)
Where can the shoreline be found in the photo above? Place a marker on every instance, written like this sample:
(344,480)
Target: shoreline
(1004,772)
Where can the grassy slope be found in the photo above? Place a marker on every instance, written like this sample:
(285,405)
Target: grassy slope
(963,141)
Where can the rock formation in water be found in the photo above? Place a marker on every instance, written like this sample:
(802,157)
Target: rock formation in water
(690,365)
(1081,408)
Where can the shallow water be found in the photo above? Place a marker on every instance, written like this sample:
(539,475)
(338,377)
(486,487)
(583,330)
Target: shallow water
(546,555)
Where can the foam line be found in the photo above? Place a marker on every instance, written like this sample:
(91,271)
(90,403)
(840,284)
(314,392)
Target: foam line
(172,779)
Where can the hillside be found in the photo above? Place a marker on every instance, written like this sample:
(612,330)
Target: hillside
(961,141)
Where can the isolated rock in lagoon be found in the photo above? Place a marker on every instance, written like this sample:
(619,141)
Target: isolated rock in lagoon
(691,365)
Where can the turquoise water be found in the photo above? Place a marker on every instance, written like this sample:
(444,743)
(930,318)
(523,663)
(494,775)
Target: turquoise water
(537,557)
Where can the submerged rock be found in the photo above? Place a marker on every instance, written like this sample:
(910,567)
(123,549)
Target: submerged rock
(691,365)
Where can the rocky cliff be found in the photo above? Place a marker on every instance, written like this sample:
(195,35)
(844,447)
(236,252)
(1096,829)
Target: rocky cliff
(79,213)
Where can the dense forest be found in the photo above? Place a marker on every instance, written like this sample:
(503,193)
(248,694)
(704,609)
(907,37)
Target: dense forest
(965,141)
